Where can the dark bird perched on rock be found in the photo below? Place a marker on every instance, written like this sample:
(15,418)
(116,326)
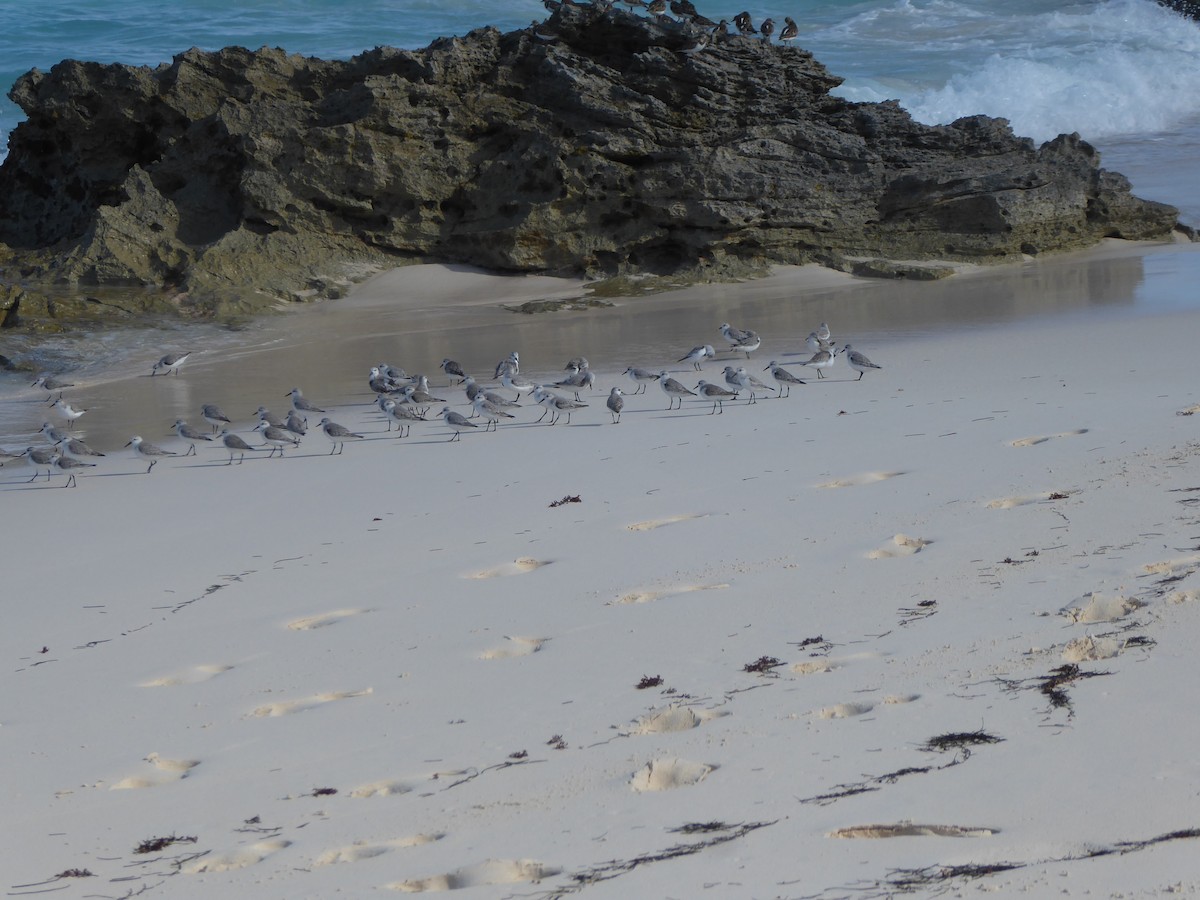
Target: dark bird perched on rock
(789,29)
(743,23)
(767,29)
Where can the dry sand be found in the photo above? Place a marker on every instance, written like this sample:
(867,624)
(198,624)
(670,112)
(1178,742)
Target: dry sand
(934,629)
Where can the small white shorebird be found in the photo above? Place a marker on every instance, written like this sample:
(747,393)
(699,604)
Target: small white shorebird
(673,389)
(783,378)
(453,370)
(67,411)
(236,446)
(821,360)
(52,434)
(76,449)
(581,380)
(491,413)
(300,405)
(149,451)
(749,345)
(171,362)
(510,364)
(39,458)
(616,403)
(717,394)
(555,405)
(698,354)
(50,383)
(278,438)
(265,415)
(823,332)
(296,424)
(740,379)
(419,397)
(189,434)
(640,377)
(403,414)
(338,435)
(214,416)
(733,335)
(858,362)
(67,465)
(815,344)
(514,382)
(457,421)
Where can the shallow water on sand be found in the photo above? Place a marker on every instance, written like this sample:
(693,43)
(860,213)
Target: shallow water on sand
(328,349)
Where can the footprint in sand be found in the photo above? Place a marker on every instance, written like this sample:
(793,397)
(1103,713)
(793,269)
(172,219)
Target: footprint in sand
(490,871)
(1091,649)
(651,524)
(287,707)
(308,623)
(1102,608)
(668,774)
(516,646)
(908,829)
(386,787)
(1171,566)
(845,710)
(361,850)
(673,718)
(1042,438)
(649,596)
(858,480)
(899,545)
(516,567)
(236,859)
(194,675)
(173,770)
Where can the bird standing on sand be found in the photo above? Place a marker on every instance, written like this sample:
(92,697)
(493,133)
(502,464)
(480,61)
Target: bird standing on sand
(77,449)
(454,370)
(189,434)
(38,457)
(673,389)
(615,403)
(858,362)
(457,421)
(214,416)
(717,394)
(67,465)
(338,435)
(149,451)
(296,424)
(491,412)
(67,411)
(640,378)
(235,445)
(783,378)
(300,405)
(50,383)
(556,405)
(403,414)
(171,362)
(821,360)
(277,437)
(698,354)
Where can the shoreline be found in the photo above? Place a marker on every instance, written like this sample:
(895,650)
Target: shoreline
(374,657)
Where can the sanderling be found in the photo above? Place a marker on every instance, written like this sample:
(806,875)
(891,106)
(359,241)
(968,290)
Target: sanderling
(576,364)
(717,394)
(640,377)
(380,383)
(733,335)
(858,362)
(214,416)
(38,457)
(820,361)
(783,378)
(149,451)
(67,411)
(338,435)
(815,344)
(514,382)
(421,398)
(395,375)
(51,383)
(491,413)
(265,415)
(511,364)
(190,434)
(171,362)
(739,379)
(77,449)
(673,389)
(300,405)
(616,403)
(235,445)
(471,389)
(748,345)
(556,405)
(580,381)
(296,424)
(823,332)
(697,355)
(403,414)
(453,370)
(67,465)
(278,438)
(52,434)
(457,421)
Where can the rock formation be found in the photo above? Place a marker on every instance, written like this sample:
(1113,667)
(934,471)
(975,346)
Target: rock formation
(593,143)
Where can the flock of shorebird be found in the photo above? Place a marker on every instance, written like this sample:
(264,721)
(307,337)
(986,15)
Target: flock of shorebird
(705,30)
(404,399)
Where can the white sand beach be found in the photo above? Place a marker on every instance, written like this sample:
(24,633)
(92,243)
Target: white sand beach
(931,632)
